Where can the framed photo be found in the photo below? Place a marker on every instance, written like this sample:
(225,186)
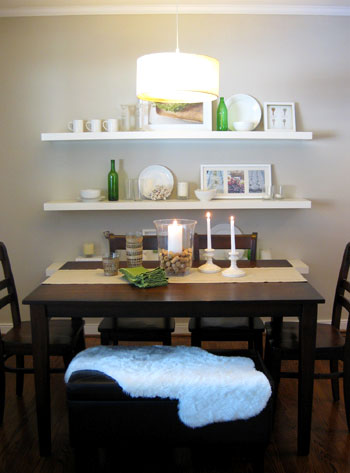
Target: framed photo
(237,181)
(179,116)
(279,116)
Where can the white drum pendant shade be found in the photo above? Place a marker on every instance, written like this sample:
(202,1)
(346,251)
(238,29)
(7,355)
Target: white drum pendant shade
(177,78)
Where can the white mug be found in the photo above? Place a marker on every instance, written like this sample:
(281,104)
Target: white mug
(94,125)
(110,125)
(76,126)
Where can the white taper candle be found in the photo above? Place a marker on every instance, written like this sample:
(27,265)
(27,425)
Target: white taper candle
(233,241)
(208,232)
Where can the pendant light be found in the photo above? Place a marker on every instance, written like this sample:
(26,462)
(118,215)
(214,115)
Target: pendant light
(177,77)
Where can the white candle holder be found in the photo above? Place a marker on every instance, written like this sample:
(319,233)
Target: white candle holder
(233,271)
(209,266)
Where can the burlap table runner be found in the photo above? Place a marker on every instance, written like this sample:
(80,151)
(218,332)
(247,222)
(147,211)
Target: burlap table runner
(96,276)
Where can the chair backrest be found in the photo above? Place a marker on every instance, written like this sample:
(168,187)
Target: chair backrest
(8,283)
(117,242)
(342,291)
(223,242)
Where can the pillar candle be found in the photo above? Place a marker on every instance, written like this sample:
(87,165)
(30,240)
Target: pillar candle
(233,241)
(208,232)
(182,190)
(88,249)
(175,237)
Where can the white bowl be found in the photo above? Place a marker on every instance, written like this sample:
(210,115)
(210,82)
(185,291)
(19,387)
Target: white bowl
(243,126)
(90,193)
(205,195)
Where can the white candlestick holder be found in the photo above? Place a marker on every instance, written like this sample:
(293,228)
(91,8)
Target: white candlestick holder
(233,271)
(209,266)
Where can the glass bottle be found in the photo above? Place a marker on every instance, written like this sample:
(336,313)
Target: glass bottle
(113,188)
(221,116)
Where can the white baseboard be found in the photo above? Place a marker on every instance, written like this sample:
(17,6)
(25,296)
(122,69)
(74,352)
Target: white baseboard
(181,327)
(91,328)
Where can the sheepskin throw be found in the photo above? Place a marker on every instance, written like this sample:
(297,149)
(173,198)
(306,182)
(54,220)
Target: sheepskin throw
(209,388)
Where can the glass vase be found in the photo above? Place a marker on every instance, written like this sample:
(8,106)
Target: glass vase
(175,245)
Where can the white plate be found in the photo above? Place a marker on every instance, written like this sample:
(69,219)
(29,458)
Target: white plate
(153,176)
(243,108)
(102,197)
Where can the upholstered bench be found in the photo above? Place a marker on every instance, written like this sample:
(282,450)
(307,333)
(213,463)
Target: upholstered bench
(102,416)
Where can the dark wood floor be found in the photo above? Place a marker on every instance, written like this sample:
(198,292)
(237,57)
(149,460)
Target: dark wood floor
(330,442)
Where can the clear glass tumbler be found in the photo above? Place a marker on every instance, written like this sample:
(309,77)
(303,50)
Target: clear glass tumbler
(111,264)
(175,245)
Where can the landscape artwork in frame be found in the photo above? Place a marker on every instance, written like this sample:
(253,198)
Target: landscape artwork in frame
(179,116)
(237,181)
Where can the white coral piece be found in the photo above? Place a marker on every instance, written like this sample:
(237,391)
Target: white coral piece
(160,193)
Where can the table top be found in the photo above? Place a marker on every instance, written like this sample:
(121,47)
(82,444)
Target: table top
(174,299)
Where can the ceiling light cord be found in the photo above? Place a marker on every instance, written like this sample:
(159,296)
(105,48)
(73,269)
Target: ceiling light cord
(177,28)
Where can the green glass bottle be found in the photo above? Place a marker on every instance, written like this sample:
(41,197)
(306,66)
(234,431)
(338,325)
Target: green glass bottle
(113,188)
(221,116)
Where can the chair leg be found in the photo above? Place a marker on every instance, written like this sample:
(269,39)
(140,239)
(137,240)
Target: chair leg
(273,364)
(258,343)
(19,375)
(167,339)
(258,461)
(333,365)
(2,387)
(346,384)
(67,359)
(81,342)
(104,339)
(195,340)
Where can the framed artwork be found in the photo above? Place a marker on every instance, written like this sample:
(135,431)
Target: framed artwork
(179,116)
(279,116)
(237,181)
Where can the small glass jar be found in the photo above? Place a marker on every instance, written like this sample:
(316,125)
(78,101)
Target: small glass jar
(111,264)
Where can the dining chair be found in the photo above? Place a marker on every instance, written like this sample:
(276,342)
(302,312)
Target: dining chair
(248,329)
(116,329)
(282,341)
(66,336)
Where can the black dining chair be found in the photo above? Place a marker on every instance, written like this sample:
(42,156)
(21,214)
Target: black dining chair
(282,341)
(66,336)
(249,329)
(152,329)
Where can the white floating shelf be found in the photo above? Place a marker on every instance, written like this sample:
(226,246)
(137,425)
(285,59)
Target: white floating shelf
(179,135)
(180,204)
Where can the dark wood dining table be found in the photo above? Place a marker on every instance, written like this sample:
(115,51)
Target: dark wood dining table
(277,300)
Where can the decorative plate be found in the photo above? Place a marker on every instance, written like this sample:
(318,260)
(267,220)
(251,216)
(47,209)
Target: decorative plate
(243,108)
(156,182)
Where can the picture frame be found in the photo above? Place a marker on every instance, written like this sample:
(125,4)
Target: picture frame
(279,116)
(194,116)
(237,181)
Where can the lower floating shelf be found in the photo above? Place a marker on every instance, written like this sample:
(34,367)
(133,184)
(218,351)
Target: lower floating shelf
(179,204)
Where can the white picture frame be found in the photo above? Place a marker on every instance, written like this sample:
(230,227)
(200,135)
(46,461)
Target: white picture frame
(237,181)
(279,116)
(187,117)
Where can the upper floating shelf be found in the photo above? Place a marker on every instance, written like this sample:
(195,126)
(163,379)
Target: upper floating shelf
(180,204)
(179,135)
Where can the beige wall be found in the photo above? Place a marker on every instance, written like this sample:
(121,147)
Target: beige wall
(56,69)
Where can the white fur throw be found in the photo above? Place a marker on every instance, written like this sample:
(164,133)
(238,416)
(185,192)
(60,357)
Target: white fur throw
(209,388)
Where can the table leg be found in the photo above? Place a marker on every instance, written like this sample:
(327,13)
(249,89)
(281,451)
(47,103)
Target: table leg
(40,337)
(307,338)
